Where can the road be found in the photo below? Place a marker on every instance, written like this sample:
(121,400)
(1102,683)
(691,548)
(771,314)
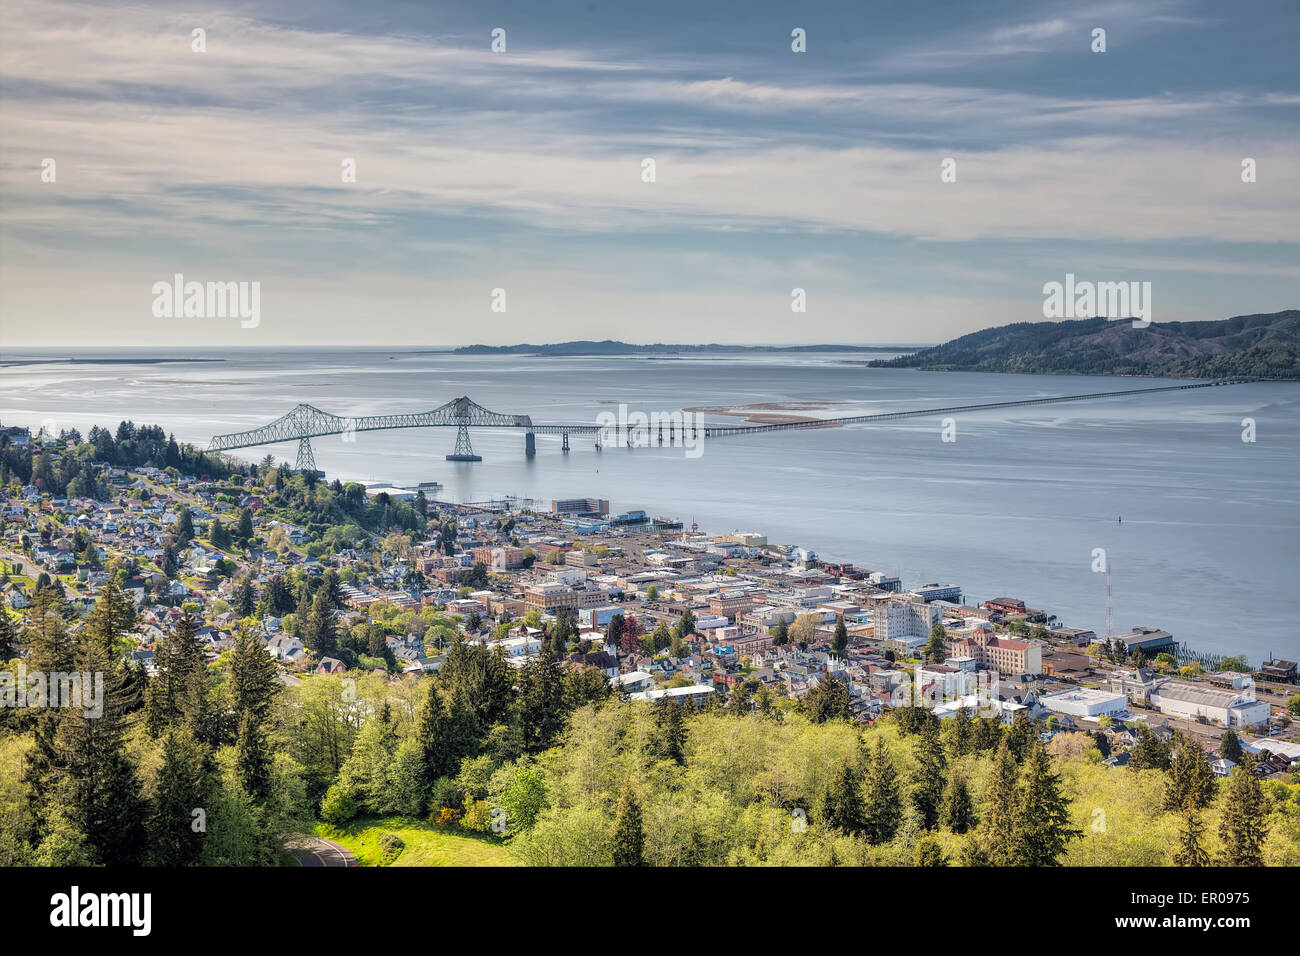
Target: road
(316,851)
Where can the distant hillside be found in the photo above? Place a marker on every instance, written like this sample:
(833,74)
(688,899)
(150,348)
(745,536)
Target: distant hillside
(1266,346)
(610,347)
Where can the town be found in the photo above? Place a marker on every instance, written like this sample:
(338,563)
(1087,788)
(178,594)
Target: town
(661,611)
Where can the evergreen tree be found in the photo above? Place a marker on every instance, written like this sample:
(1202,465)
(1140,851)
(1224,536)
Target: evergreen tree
(660,639)
(169,562)
(1191,851)
(929,852)
(685,626)
(884,804)
(1243,824)
(840,639)
(936,649)
(321,634)
(244,527)
(998,826)
(541,702)
(1230,747)
(963,733)
(183,529)
(614,631)
(1041,829)
(182,788)
(629,842)
(1103,743)
(671,724)
(178,662)
(780,633)
(928,778)
(957,812)
(253,758)
(243,599)
(1150,753)
(840,805)
(829,700)
(1191,782)
(8,636)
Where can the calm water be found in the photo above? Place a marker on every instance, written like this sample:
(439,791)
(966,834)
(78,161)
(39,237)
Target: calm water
(1208,548)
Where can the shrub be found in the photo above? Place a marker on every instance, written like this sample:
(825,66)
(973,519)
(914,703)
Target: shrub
(390,846)
(339,805)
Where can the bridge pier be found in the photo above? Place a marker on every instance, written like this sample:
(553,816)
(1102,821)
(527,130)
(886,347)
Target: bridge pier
(464,450)
(565,447)
(530,444)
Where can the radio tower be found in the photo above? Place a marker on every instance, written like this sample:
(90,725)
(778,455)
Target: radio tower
(1109,619)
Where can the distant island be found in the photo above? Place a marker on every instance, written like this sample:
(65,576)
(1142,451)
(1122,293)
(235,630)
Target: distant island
(1263,346)
(611,347)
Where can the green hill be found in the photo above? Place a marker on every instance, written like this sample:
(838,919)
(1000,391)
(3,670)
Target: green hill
(1264,346)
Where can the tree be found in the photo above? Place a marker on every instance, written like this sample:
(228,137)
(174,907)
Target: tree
(936,649)
(929,852)
(998,826)
(685,625)
(671,724)
(1230,747)
(829,700)
(780,633)
(957,812)
(840,806)
(1041,830)
(1244,822)
(321,636)
(183,529)
(244,527)
(614,631)
(884,806)
(541,702)
(1103,743)
(1191,782)
(927,780)
(244,600)
(182,788)
(1150,753)
(1190,850)
(840,639)
(629,842)
(1293,705)
(8,635)
(175,691)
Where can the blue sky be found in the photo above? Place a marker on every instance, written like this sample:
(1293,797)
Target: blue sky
(522,170)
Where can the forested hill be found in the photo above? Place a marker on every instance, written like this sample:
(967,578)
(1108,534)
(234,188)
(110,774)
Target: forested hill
(1267,346)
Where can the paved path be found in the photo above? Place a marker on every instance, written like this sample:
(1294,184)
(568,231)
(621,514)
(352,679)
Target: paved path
(316,851)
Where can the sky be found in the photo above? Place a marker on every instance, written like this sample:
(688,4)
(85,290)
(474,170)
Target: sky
(523,169)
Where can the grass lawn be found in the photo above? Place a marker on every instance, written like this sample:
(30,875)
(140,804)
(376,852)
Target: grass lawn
(426,844)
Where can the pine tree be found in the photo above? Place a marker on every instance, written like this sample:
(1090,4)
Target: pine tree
(8,636)
(182,788)
(929,852)
(963,733)
(629,842)
(253,759)
(177,658)
(1190,850)
(957,812)
(671,724)
(936,649)
(244,599)
(998,826)
(244,528)
(1243,825)
(253,682)
(112,617)
(685,626)
(1230,747)
(541,702)
(840,805)
(840,640)
(1191,782)
(928,780)
(884,804)
(780,633)
(1041,830)
(1150,753)
(829,700)
(321,634)
(183,529)
(614,631)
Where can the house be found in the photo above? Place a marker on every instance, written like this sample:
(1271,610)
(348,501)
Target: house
(330,665)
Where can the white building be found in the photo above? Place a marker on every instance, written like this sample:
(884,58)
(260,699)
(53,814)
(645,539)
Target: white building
(1085,702)
(1223,707)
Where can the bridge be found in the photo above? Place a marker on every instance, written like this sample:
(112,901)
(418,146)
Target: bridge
(306,422)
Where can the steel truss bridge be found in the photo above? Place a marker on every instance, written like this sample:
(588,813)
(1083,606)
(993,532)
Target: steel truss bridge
(306,422)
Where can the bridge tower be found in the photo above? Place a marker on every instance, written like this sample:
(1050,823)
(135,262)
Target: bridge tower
(306,459)
(530,444)
(565,448)
(461,414)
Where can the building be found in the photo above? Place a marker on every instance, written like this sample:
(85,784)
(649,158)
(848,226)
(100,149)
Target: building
(580,506)
(1284,671)
(1225,708)
(551,596)
(581,559)
(1085,702)
(750,539)
(1002,654)
(1150,640)
(732,604)
(894,619)
(499,558)
(938,592)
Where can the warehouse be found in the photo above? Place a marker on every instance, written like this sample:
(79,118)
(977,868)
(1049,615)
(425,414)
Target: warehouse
(1085,702)
(1223,707)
